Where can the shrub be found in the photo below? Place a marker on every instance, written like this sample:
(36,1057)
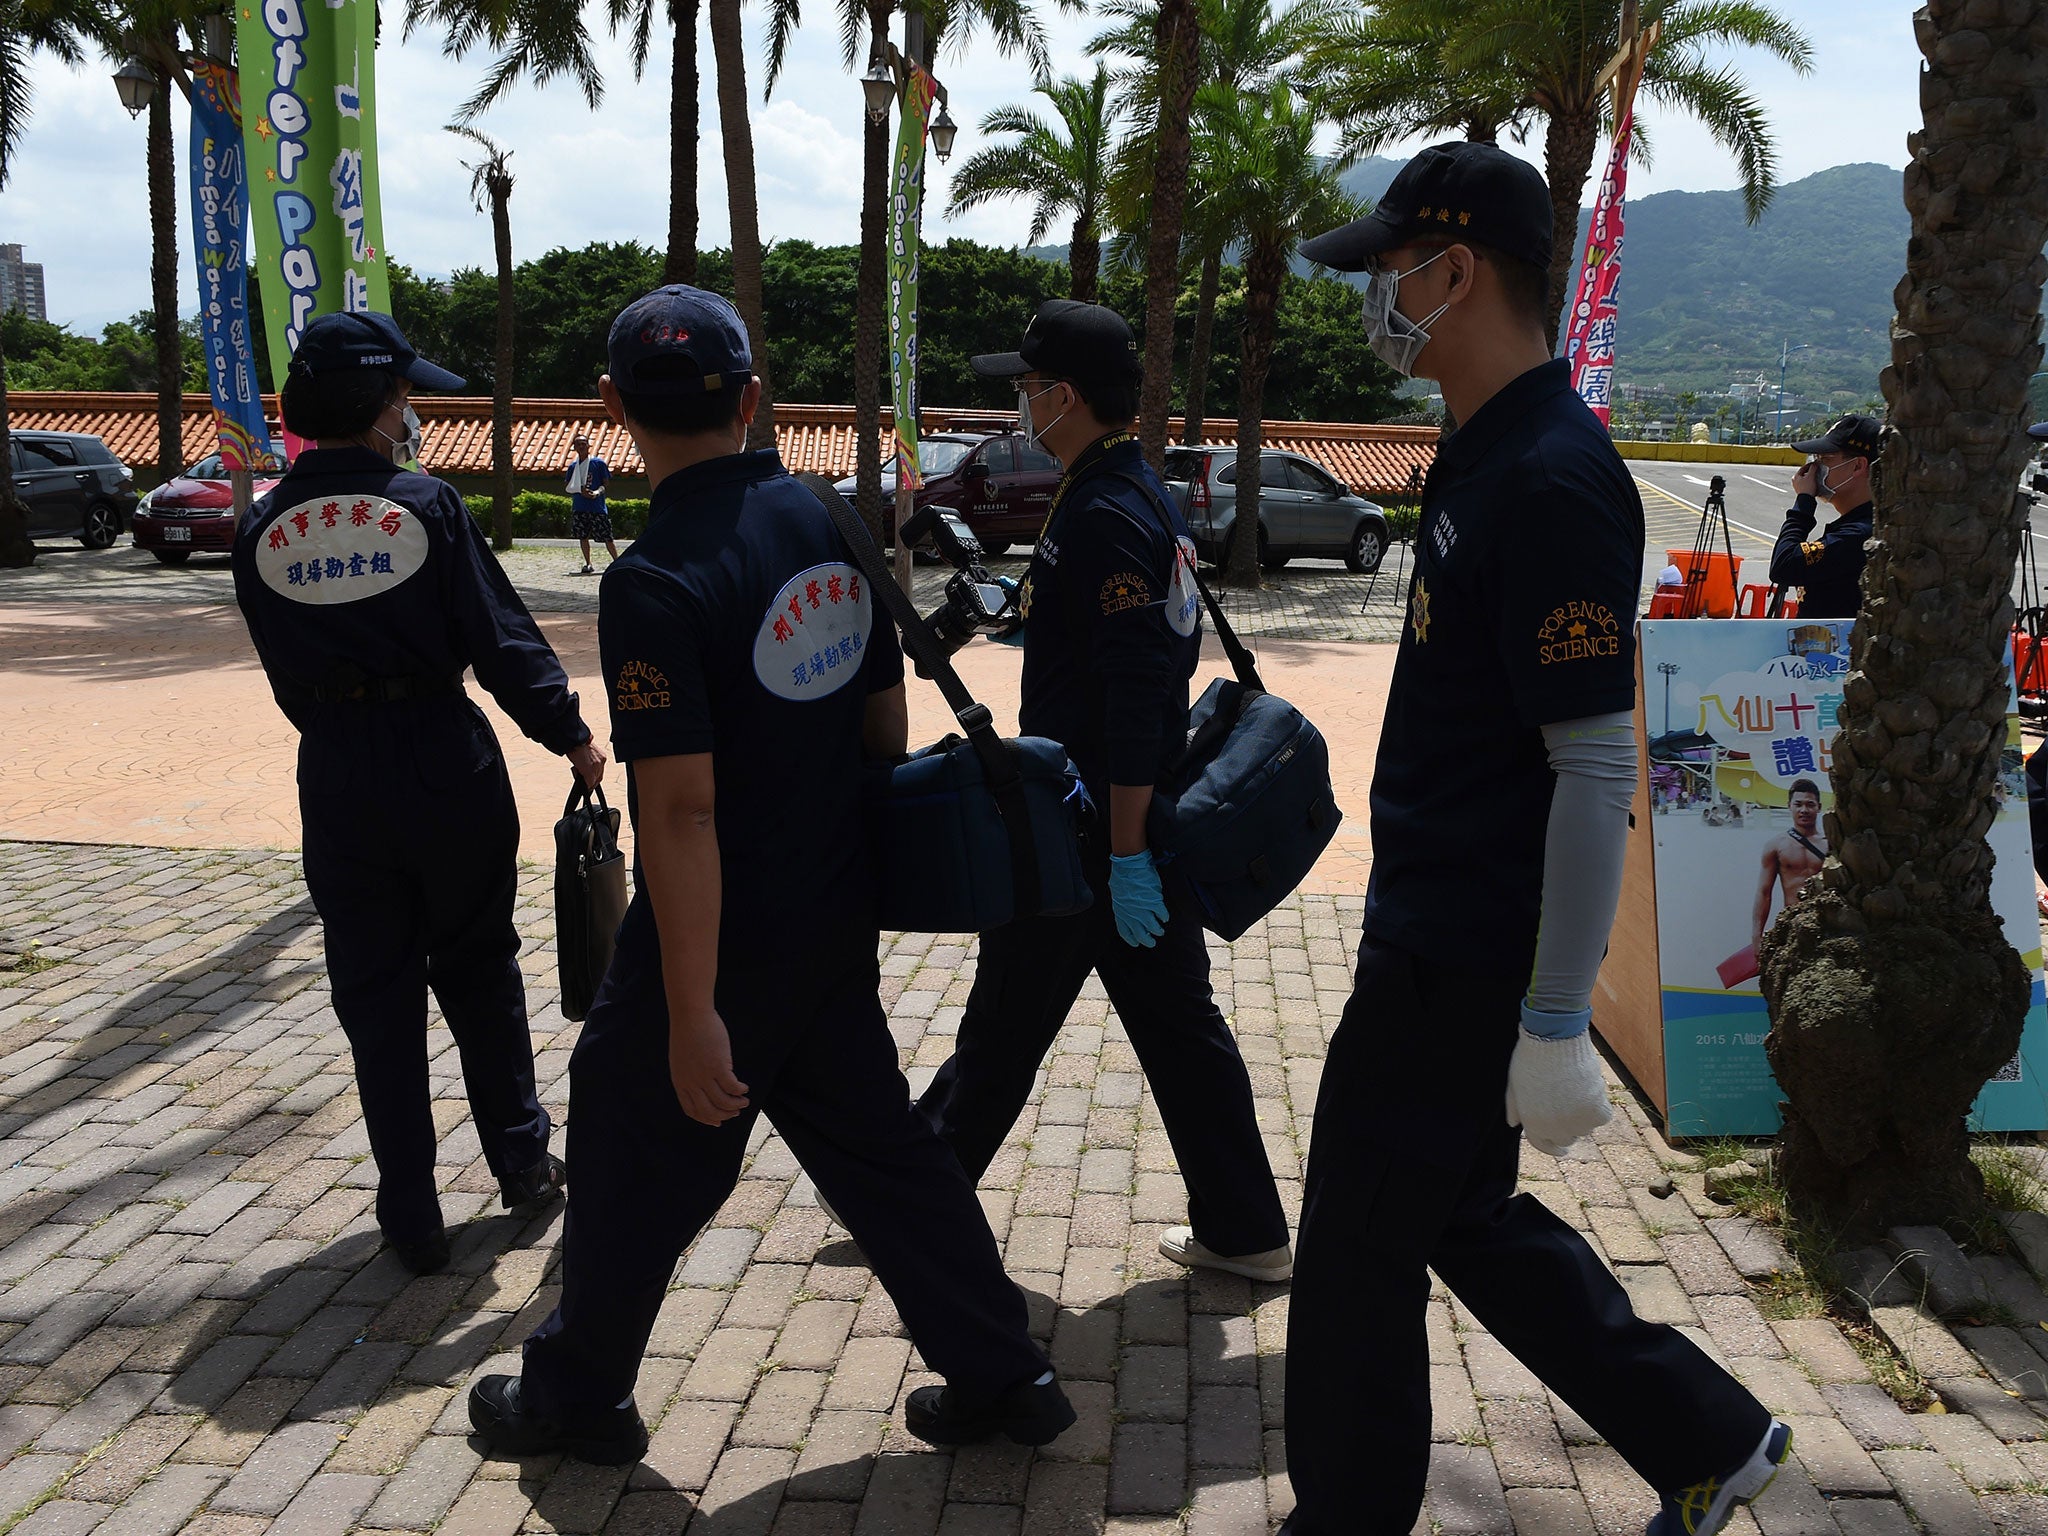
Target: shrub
(543,515)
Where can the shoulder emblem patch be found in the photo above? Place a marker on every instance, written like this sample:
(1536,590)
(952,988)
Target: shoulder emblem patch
(812,637)
(1123,591)
(1814,553)
(640,686)
(341,549)
(1577,631)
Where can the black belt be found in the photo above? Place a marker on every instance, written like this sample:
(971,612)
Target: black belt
(387,690)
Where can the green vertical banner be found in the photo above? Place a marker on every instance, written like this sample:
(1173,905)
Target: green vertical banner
(309,128)
(906,200)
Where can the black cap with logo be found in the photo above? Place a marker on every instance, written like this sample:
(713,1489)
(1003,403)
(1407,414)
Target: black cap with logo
(679,322)
(365,339)
(1859,435)
(1090,343)
(1457,191)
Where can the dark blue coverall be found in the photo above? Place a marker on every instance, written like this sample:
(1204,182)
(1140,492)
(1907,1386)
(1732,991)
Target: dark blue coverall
(368,591)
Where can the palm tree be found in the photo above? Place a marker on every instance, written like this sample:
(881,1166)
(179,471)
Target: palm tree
(1060,174)
(490,189)
(1894,993)
(680,263)
(62,29)
(540,39)
(1380,73)
(742,205)
(1473,60)
(1015,27)
(1267,182)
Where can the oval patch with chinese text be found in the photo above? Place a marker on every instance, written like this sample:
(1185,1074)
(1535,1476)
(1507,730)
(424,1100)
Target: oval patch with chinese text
(1184,597)
(341,549)
(814,634)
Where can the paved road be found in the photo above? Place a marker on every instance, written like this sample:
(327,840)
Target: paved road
(199,1334)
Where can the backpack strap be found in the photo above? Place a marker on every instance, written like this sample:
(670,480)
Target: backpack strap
(1241,659)
(999,769)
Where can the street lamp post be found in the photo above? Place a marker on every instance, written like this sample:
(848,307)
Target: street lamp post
(890,74)
(1784,357)
(1667,668)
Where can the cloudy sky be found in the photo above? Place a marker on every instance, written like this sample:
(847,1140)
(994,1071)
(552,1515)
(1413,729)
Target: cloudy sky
(78,196)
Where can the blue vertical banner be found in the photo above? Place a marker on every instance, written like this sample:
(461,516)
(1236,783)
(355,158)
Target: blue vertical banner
(220,230)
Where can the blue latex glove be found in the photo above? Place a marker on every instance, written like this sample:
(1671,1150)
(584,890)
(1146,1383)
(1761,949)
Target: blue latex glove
(1137,900)
(1015,636)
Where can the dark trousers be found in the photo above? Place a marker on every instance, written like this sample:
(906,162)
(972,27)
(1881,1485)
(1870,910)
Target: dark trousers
(413,895)
(818,1060)
(1412,1166)
(1025,982)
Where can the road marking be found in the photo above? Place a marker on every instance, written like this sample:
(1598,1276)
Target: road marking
(1696,480)
(1679,501)
(1766,484)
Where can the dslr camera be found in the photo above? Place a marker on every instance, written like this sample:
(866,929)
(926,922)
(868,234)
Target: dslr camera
(975,603)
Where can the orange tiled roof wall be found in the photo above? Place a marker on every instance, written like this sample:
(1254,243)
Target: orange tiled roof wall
(1372,460)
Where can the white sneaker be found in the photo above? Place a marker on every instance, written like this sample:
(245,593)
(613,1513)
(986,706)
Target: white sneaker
(1273,1266)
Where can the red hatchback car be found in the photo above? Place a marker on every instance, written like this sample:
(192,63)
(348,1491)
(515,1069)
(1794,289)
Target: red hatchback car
(193,511)
(1000,486)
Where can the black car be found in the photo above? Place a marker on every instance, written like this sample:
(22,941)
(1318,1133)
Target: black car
(72,485)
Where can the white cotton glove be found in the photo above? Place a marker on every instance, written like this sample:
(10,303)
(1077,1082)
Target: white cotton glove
(1555,1091)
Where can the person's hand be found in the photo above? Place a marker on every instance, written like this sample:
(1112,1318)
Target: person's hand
(700,1068)
(588,760)
(1555,1091)
(1136,899)
(1806,482)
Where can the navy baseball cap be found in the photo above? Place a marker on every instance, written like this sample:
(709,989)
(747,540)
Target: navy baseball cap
(1455,191)
(679,322)
(2039,431)
(365,339)
(1070,340)
(1851,434)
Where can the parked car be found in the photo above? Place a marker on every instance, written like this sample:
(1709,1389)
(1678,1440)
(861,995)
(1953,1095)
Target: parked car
(1304,512)
(72,485)
(193,511)
(1000,486)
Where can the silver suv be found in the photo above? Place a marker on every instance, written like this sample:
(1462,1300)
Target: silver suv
(1304,513)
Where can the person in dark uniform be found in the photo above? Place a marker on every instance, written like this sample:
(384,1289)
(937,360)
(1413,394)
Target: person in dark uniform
(1830,568)
(750,671)
(368,591)
(1112,632)
(1500,805)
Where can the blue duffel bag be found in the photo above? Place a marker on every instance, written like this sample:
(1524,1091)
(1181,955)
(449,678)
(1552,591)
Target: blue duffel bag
(974,831)
(1247,808)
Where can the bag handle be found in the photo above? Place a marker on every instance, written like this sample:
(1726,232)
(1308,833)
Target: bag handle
(999,769)
(1242,662)
(580,794)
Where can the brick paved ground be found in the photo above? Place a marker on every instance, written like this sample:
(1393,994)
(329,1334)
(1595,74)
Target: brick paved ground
(197,1331)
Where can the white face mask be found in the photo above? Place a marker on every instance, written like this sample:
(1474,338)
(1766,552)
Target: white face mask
(1025,424)
(1396,340)
(404,450)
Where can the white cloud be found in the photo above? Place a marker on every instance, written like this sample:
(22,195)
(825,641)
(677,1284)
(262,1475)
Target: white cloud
(78,197)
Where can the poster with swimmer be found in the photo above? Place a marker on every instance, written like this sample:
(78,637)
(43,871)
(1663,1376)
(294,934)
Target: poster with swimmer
(1741,716)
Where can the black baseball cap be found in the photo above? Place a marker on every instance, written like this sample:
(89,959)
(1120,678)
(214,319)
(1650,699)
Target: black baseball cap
(1852,434)
(365,339)
(1459,191)
(1068,339)
(685,322)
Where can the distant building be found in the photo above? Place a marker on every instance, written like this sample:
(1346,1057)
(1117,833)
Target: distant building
(21,283)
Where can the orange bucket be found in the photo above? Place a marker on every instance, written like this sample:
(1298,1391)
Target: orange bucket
(1716,580)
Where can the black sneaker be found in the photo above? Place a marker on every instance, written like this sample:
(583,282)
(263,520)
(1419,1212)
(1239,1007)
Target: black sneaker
(614,1438)
(422,1255)
(531,1192)
(1035,1413)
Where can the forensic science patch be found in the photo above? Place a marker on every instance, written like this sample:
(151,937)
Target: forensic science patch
(1578,631)
(640,686)
(1122,592)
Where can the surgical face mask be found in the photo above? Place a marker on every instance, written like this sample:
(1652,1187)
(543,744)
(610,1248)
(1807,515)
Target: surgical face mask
(1845,475)
(1025,424)
(404,450)
(1396,340)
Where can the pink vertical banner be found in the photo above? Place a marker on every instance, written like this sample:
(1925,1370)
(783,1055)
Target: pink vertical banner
(1589,338)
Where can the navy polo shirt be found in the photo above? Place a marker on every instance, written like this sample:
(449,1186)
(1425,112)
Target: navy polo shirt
(739,624)
(351,568)
(1112,622)
(1828,570)
(1521,613)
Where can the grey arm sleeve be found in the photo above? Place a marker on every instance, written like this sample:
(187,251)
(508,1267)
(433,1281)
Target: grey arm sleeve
(1595,762)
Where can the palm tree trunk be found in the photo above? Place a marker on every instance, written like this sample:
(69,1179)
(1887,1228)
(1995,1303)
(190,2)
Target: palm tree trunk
(680,266)
(1893,971)
(503,488)
(1567,160)
(16,548)
(163,282)
(1084,260)
(1178,36)
(1198,347)
(1262,270)
(730,56)
(870,319)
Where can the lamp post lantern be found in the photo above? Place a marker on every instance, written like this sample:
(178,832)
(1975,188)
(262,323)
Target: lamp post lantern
(136,83)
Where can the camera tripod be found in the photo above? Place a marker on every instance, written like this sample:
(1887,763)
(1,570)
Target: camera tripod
(1713,517)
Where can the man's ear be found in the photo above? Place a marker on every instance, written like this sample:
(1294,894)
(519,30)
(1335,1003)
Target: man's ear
(614,407)
(1462,265)
(750,400)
